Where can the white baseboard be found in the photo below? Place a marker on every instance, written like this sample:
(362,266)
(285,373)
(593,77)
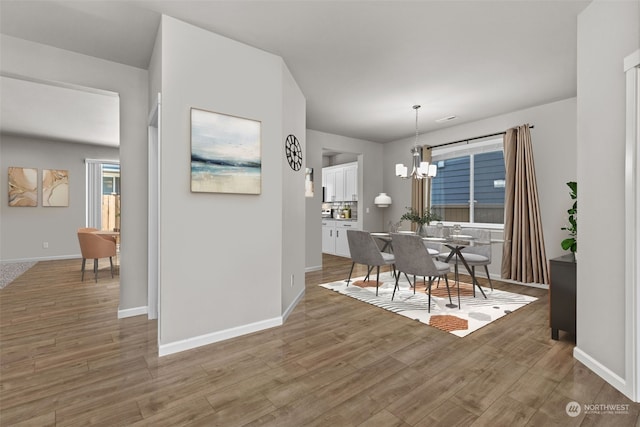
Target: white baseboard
(130,312)
(313,268)
(189,343)
(293,305)
(605,373)
(37,259)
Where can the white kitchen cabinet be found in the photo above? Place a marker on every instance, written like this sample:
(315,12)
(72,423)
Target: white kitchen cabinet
(329,237)
(342,244)
(351,182)
(334,237)
(340,182)
(329,184)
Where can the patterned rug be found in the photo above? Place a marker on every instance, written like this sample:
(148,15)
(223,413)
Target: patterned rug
(473,314)
(9,271)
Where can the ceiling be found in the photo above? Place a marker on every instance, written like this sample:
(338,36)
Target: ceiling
(361,65)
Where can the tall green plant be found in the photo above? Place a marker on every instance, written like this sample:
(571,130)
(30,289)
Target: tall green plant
(571,243)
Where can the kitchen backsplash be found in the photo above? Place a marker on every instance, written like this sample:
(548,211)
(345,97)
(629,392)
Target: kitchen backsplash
(340,210)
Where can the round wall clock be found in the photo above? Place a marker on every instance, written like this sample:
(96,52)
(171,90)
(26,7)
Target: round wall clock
(294,152)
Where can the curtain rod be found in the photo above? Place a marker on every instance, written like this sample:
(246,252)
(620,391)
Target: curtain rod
(429,147)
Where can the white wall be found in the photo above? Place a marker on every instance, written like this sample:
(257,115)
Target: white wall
(554,148)
(44,62)
(222,270)
(607,32)
(369,186)
(24,229)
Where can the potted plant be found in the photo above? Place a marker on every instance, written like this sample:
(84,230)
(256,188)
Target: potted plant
(420,219)
(571,243)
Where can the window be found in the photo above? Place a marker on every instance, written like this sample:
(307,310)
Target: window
(469,186)
(103,194)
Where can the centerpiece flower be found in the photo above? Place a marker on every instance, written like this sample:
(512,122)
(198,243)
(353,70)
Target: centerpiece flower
(420,219)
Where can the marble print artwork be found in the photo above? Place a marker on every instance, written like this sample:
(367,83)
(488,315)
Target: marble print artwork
(23,186)
(55,187)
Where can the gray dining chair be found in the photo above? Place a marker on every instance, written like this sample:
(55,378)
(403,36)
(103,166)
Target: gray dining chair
(365,251)
(478,255)
(413,258)
(434,248)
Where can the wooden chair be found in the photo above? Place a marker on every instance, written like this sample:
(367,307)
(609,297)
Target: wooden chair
(93,246)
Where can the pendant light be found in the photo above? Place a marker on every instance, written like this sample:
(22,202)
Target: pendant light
(419,169)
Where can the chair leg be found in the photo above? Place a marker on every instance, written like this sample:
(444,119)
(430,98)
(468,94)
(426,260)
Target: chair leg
(350,272)
(395,287)
(84,261)
(430,283)
(414,284)
(95,268)
(486,268)
(410,285)
(473,285)
(111,262)
(369,268)
(377,278)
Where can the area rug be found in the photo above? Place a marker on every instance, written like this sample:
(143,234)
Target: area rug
(10,271)
(473,314)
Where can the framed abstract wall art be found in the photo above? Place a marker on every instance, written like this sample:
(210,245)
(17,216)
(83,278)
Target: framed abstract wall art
(23,186)
(225,153)
(55,187)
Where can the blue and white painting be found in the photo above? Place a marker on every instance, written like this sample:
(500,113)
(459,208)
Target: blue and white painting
(225,153)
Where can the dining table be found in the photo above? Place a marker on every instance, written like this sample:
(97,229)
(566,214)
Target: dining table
(454,242)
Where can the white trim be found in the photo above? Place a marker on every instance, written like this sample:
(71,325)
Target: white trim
(101,161)
(199,341)
(632,61)
(313,268)
(485,225)
(597,367)
(293,305)
(632,228)
(130,312)
(515,282)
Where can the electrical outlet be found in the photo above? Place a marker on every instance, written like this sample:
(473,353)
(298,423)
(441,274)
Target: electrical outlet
(45,245)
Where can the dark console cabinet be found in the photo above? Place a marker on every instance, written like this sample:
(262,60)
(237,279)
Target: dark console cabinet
(562,295)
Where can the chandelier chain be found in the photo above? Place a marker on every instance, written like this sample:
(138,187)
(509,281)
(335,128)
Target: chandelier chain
(416,107)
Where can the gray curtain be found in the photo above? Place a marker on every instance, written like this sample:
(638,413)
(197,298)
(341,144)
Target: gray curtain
(523,256)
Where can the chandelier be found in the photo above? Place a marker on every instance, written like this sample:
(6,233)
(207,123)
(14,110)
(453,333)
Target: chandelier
(419,169)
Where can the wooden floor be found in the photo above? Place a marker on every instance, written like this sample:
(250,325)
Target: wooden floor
(67,360)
